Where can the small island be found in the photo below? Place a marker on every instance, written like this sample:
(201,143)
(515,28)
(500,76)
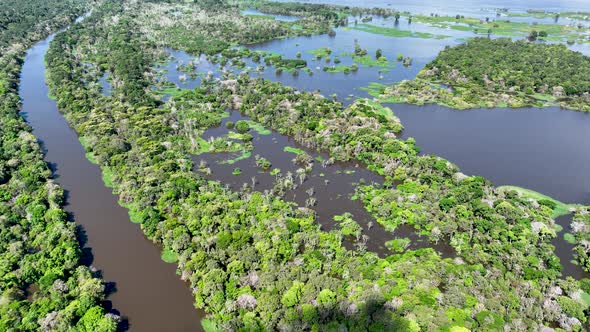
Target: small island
(487,72)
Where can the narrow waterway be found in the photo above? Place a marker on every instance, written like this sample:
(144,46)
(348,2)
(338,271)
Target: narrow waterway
(147,292)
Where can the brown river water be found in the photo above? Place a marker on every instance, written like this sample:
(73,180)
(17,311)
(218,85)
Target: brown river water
(145,290)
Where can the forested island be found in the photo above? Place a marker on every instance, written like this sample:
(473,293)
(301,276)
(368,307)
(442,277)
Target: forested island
(432,249)
(499,73)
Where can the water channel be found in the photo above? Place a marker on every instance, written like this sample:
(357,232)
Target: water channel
(147,291)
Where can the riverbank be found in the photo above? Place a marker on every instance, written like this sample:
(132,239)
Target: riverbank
(144,289)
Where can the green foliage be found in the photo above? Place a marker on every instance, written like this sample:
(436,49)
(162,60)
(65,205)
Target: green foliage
(43,284)
(487,72)
(348,226)
(320,53)
(395,32)
(293,150)
(558,208)
(169,256)
(521,65)
(242,126)
(580,235)
(211,29)
(398,245)
(292,296)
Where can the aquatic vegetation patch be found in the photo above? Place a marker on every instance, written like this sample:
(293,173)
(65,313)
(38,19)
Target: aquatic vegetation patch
(169,256)
(320,53)
(346,69)
(579,15)
(375,89)
(260,16)
(507,28)
(395,32)
(293,150)
(258,128)
(202,146)
(169,91)
(558,208)
(368,61)
(243,155)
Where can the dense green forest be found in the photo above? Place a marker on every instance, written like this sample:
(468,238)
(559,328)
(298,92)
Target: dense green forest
(43,285)
(28,21)
(487,72)
(256,262)
(203,28)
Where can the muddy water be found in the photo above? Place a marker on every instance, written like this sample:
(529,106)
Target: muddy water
(147,291)
(332,186)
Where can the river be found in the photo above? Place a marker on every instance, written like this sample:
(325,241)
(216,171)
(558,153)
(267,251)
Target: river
(147,291)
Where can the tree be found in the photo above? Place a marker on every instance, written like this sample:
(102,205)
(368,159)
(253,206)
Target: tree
(533,35)
(378,54)
(292,295)
(242,126)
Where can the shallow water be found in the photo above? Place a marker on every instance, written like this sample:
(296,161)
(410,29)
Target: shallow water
(148,293)
(284,18)
(343,85)
(333,185)
(564,250)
